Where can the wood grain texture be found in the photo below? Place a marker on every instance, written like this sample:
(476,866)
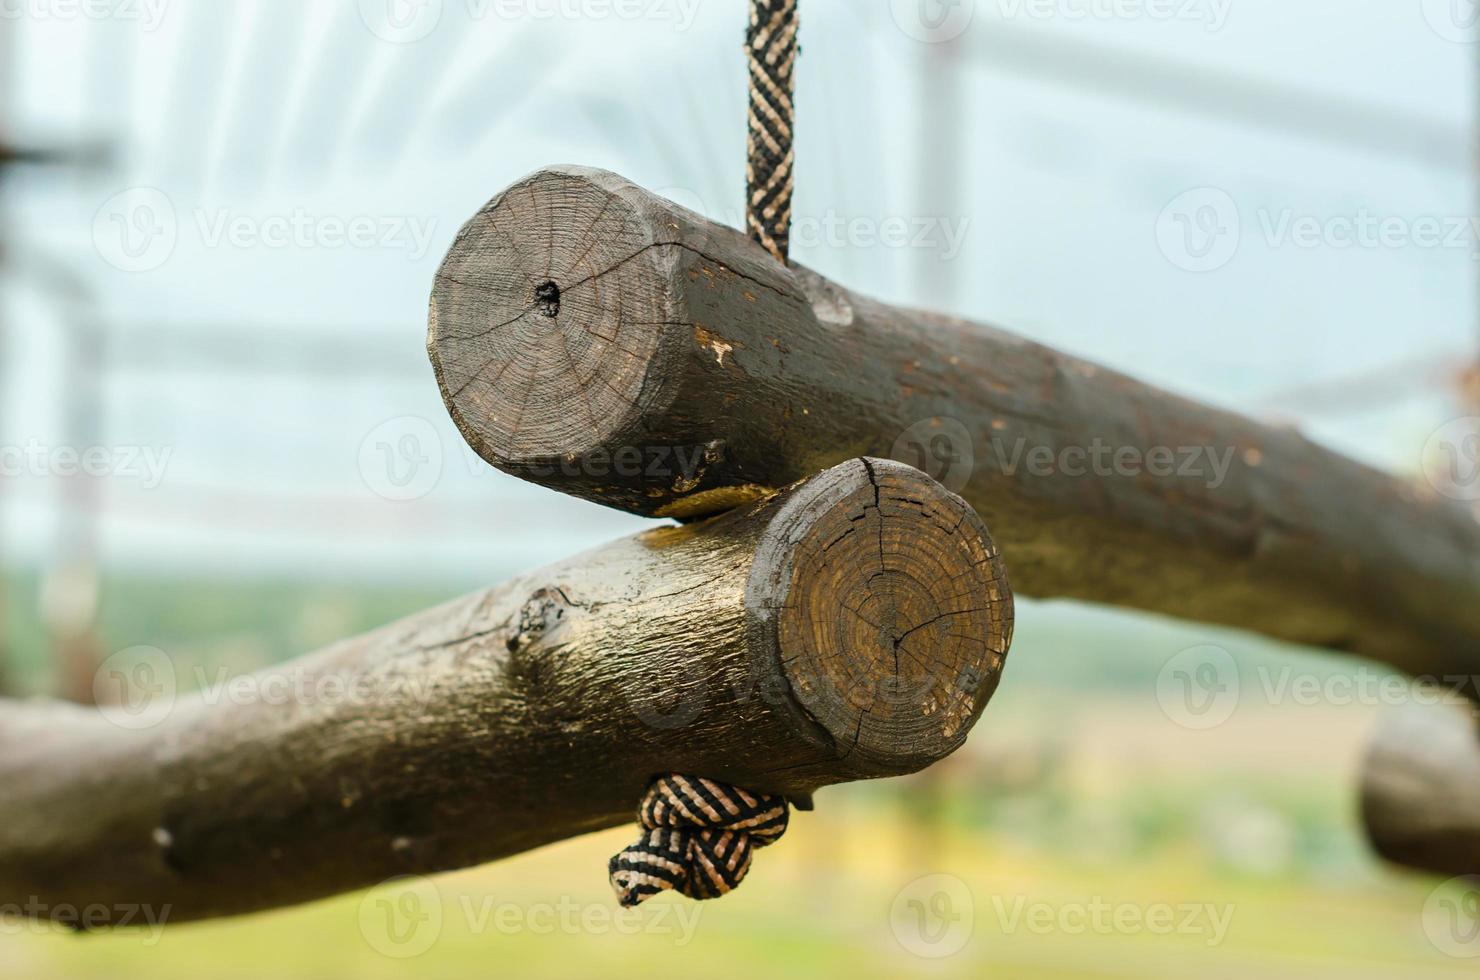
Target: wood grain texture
(1421,788)
(686,369)
(533,711)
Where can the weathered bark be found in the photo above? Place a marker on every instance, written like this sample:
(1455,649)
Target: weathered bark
(604,342)
(1421,788)
(852,626)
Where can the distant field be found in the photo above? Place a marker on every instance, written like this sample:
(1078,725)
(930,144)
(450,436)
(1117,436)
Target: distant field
(830,900)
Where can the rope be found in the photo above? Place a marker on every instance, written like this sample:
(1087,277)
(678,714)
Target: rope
(771,43)
(699,836)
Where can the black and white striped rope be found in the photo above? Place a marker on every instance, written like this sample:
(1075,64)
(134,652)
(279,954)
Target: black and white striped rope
(771,43)
(698,837)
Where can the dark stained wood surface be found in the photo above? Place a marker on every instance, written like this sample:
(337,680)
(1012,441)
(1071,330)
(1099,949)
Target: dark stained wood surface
(604,342)
(533,711)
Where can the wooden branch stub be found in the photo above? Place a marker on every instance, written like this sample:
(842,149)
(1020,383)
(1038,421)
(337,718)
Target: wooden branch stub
(1421,788)
(683,371)
(851,626)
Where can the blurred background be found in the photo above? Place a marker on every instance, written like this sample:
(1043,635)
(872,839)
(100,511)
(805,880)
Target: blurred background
(220,437)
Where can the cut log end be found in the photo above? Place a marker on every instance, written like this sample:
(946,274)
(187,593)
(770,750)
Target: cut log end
(1421,787)
(546,318)
(890,612)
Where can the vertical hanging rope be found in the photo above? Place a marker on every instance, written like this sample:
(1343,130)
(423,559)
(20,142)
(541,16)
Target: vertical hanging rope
(771,43)
(698,834)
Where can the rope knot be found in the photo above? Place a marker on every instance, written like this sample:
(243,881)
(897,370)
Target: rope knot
(698,838)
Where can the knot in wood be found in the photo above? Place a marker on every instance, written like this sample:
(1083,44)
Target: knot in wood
(540,614)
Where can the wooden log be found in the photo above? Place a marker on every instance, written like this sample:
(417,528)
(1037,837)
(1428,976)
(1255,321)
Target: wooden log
(602,341)
(850,627)
(1421,788)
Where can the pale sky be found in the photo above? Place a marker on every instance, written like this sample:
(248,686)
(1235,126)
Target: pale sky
(1071,130)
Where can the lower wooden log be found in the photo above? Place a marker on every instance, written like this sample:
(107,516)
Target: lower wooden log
(1421,787)
(849,627)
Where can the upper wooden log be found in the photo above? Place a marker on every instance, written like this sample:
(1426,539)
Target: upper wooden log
(848,627)
(602,341)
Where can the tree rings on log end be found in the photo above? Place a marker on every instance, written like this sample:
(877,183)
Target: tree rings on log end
(888,607)
(547,317)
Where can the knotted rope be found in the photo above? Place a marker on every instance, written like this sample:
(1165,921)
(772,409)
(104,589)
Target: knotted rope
(699,836)
(771,43)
